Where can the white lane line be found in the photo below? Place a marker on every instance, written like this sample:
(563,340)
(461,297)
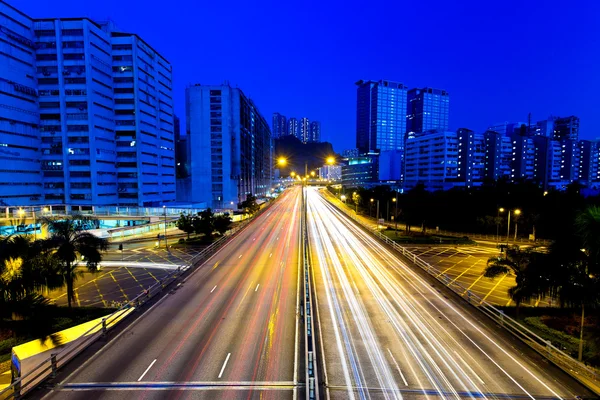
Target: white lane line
(469,368)
(224,365)
(270,254)
(240,256)
(213,289)
(147,369)
(398,367)
(257,287)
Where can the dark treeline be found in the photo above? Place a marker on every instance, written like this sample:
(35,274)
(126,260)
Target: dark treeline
(550,213)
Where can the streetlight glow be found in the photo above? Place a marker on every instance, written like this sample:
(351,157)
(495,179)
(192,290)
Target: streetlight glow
(330,160)
(281,161)
(517,212)
(501,209)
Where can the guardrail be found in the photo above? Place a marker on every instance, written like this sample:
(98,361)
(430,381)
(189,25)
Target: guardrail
(310,348)
(50,366)
(584,374)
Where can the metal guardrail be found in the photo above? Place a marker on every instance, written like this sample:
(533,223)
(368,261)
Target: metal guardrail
(584,374)
(50,366)
(310,347)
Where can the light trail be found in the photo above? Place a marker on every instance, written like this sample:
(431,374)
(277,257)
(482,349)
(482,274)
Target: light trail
(447,353)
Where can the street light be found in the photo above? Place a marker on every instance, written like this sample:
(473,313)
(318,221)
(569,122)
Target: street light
(312,173)
(330,160)
(281,161)
(500,210)
(371,206)
(517,213)
(395,200)
(343,198)
(165,213)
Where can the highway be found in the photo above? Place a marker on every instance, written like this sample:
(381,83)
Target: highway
(388,332)
(230,331)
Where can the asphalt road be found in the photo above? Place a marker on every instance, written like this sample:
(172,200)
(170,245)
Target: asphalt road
(230,331)
(389,332)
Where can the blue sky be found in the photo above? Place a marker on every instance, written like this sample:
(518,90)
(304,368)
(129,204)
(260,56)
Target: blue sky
(499,60)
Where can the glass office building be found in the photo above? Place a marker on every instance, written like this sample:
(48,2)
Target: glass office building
(380,116)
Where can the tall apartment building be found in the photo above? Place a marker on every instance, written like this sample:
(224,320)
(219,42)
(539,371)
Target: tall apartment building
(230,146)
(105,114)
(498,155)
(427,110)
(145,130)
(522,165)
(380,116)
(20,174)
(471,157)
(294,128)
(566,128)
(431,159)
(315,132)
(279,127)
(305,130)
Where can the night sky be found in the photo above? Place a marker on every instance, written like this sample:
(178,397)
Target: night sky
(499,60)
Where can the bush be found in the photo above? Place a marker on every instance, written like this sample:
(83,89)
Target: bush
(181,241)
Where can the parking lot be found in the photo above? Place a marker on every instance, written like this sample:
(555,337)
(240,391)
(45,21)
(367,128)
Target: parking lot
(465,265)
(111,286)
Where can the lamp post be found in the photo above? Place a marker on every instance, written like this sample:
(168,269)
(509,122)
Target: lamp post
(354,198)
(165,214)
(377,214)
(371,207)
(517,212)
(395,200)
(500,210)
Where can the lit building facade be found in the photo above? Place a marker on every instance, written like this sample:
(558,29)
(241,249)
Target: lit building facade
(294,128)
(230,147)
(21,173)
(432,160)
(315,131)
(380,116)
(100,114)
(279,127)
(362,171)
(427,110)
(305,130)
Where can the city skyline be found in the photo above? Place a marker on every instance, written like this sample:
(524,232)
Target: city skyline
(529,58)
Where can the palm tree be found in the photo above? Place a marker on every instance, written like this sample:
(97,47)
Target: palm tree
(26,268)
(527,266)
(71,244)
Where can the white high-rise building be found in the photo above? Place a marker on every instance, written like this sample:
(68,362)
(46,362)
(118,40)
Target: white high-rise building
(103,103)
(20,173)
(230,147)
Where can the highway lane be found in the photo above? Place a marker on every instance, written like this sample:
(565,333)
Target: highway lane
(389,333)
(230,331)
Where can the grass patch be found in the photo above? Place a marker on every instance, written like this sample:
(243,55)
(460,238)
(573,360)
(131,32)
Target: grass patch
(42,323)
(561,326)
(420,238)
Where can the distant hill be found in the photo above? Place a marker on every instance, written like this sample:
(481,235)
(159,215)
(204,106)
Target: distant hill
(298,153)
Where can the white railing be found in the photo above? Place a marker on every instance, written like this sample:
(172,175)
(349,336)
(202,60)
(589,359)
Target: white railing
(586,375)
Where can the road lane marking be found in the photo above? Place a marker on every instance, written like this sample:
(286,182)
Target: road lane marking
(257,287)
(213,289)
(468,367)
(240,256)
(215,266)
(224,365)
(147,369)
(270,254)
(397,367)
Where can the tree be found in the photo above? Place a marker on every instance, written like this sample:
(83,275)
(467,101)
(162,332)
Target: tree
(204,223)
(26,268)
(587,224)
(71,243)
(250,204)
(527,265)
(222,222)
(186,224)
